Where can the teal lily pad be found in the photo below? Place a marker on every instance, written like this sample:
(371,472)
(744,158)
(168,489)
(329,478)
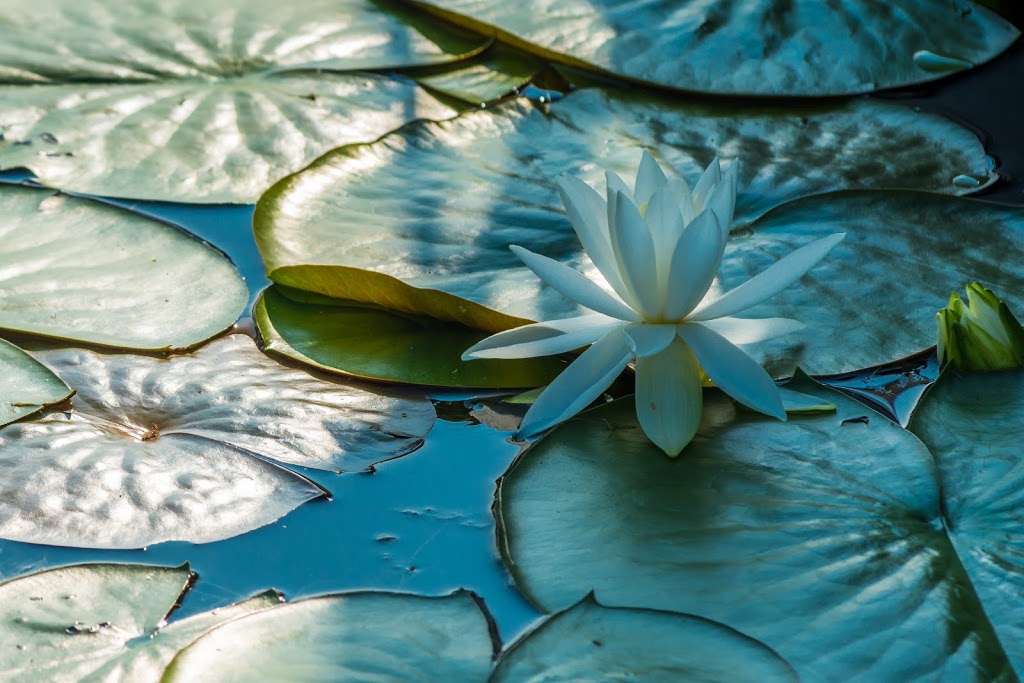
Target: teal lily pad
(589,642)
(971,423)
(101,622)
(181,448)
(826,537)
(754,47)
(77,269)
(874,298)
(29,386)
(446,199)
(373,343)
(206,102)
(360,636)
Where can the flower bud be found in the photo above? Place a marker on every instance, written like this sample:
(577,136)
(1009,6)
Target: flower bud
(980,336)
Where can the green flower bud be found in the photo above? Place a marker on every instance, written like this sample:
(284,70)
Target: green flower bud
(980,336)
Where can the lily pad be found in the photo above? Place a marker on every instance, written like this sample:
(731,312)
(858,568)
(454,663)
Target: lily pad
(446,199)
(589,642)
(159,450)
(373,343)
(498,72)
(971,423)
(101,622)
(29,386)
(78,269)
(360,636)
(874,298)
(205,102)
(822,537)
(753,47)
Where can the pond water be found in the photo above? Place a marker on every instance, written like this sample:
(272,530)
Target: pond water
(423,523)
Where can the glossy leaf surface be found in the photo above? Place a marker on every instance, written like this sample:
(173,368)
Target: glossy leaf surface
(28,385)
(174,449)
(589,642)
(446,199)
(101,622)
(749,47)
(822,537)
(373,343)
(361,636)
(78,269)
(205,102)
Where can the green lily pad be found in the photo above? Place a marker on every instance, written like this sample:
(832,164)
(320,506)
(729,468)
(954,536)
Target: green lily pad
(874,298)
(77,269)
(823,538)
(361,636)
(206,102)
(176,449)
(29,386)
(377,344)
(498,72)
(754,47)
(446,199)
(101,622)
(971,423)
(589,642)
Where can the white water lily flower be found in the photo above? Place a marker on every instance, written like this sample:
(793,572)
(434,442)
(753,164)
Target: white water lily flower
(659,248)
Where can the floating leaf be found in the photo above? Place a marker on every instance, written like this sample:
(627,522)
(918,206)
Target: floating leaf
(28,386)
(446,199)
(205,102)
(971,423)
(101,622)
(754,47)
(497,72)
(822,537)
(874,298)
(78,269)
(589,642)
(377,344)
(159,450)
(361,636)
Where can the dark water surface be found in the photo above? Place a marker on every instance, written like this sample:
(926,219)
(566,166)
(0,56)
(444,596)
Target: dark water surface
(422,523)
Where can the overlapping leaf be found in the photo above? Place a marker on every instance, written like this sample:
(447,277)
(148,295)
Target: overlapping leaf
(427,214)
(77,269)
(205,102)
(101,622)
(823,537)
(756,47)
(374,343)
(28,385)
(160,450)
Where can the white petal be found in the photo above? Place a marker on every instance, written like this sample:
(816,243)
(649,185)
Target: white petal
(649,179)
(723,198)
(634,249)
(684,198)
(647,340)
(767,284)
(543,339)
(666,225)
(669,397)
(615,184)
(588,213)
(751,330)
(579,384)
(711,177)
(694,265)
(733,371)
(575,285)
